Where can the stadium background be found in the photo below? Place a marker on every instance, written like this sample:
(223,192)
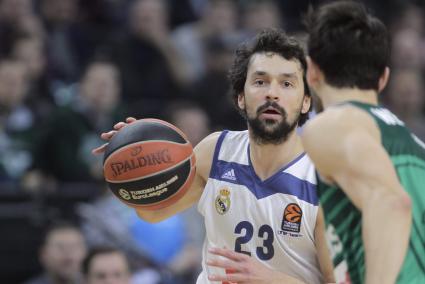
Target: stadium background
(69,69)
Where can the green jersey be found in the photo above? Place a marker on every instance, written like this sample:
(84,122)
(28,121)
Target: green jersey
(343,220)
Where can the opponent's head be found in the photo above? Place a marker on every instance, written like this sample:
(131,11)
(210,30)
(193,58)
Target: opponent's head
(269,87)
(347,46)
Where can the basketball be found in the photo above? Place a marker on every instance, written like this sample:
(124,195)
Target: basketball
(149,164)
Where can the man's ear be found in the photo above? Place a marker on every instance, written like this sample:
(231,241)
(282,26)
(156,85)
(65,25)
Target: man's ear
(314,74)
(241,101)
(383,80)
(306,104)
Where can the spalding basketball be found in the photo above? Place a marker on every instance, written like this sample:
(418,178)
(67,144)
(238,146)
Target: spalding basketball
(149,164)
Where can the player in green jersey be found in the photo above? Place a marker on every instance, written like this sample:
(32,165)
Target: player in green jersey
(371,168)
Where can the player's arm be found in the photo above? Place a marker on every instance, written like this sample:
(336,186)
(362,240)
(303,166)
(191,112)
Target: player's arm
(325,262)
(204,152)
(345,146)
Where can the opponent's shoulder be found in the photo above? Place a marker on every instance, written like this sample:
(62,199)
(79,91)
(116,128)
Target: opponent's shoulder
(330,137)
(336,122)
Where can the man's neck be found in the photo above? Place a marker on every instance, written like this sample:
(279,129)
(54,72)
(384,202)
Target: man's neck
(332,96)
(267,159)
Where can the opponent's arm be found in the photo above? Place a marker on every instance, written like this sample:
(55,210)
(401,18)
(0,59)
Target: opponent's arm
(345,146)
(325,262)
(204,152)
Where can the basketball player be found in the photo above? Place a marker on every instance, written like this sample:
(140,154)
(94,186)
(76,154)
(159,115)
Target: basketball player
(369,163)
(256,188)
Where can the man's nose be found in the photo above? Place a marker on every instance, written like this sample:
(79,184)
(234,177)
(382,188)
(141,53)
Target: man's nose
(273,92)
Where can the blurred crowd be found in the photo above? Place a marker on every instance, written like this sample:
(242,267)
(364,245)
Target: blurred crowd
(70,69)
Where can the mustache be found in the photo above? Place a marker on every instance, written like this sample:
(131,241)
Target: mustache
(274,105)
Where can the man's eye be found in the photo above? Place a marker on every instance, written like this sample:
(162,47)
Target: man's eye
(287,84)
(259,82)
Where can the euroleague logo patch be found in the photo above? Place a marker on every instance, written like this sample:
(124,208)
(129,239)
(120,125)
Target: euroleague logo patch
(222,202)
(292,217)
(124,194)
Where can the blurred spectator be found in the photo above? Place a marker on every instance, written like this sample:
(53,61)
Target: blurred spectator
(293,11)
(61,255)
(99,18)
(181,12)
(104,265)
(412,17)
(149,20)
(408,49)
(260,14)
(211,90)
(156,251)
(150,66)
(190,118)
(31,51)
(109,222)
(218,20)
(17,122)
(17,18)
(15,11)
(72,130)
(110,13)
(70,42)
(406,99)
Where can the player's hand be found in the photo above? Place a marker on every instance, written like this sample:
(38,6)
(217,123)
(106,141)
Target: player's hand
(108,135)
(245,269)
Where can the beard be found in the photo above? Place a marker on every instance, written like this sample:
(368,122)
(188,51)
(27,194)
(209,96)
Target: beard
(270,131)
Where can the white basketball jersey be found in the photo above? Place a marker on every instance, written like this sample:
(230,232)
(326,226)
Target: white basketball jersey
(272,220)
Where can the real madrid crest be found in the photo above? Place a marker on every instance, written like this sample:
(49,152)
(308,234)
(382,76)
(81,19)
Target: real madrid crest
(222,202)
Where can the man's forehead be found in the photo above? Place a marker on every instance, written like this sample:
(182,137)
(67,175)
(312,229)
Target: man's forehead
(273,62)
(115,257)
(64,234)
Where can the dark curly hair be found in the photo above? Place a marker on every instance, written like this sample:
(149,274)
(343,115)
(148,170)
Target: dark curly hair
(349,45)
(268,40)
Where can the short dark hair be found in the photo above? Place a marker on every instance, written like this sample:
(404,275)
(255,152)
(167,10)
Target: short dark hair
(95,251)
(268,40)
(348,44)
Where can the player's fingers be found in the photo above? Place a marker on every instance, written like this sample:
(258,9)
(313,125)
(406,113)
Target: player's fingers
(108,135)
(130,119)
(223,263)
(228,254)
(232,278)
(119,125)
(99,150)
